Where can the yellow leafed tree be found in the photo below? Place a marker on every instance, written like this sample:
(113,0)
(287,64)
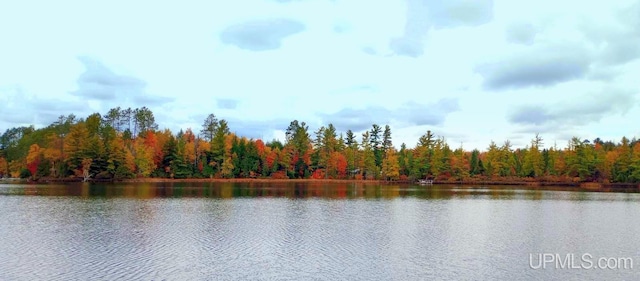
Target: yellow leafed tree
(390,165)
(15,167)
(144,159)
(34,153)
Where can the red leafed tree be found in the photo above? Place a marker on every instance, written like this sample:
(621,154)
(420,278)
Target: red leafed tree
(33,158)
(294,160)
(306,157)
(156,143)
(318,174)
(151,142)
(338,162)
(271,159)
(150,139)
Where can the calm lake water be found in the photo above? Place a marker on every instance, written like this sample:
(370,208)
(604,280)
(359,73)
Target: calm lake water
(293,231)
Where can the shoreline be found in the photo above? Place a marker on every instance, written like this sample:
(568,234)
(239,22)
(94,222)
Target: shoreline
(585,185)
(590,186)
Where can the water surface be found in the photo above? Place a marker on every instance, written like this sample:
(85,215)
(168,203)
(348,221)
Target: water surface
(301,231)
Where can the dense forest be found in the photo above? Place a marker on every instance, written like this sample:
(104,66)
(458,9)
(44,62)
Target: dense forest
(126,143)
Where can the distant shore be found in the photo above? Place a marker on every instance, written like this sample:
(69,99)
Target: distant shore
(585,185)
(594,186)
(265,180)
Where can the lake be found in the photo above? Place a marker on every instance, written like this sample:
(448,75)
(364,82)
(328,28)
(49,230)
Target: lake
(315,231)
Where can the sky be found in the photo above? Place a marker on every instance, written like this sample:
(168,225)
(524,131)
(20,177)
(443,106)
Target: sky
(471,71)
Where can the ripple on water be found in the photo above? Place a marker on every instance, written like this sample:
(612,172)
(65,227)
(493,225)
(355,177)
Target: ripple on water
(66,238)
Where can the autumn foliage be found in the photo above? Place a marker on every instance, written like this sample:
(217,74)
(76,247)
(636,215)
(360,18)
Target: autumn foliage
(126,143)
(33,158)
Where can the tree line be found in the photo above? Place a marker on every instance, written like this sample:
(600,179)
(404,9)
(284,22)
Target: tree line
(126,143)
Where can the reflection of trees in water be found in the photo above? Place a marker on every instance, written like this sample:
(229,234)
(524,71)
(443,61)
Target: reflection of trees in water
(226,190)
(329,190)
(534,195)
(390,191)
(144,191)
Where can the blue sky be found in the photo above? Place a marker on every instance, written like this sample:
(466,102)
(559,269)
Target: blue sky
(469,70)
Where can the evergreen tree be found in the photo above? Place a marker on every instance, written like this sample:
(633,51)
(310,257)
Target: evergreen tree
(386,138)
(218,155)
(376,145)
(210,127)
(474,168)
(370,168)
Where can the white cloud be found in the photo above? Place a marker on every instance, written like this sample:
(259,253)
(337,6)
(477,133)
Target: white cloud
(491,57)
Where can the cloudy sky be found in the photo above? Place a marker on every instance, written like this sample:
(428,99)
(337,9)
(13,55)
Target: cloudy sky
(469,70)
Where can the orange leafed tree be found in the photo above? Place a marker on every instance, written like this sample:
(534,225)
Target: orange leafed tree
(609,160)
(338,162)
(190,151)
(270,159)
(158,149)
(260,147)
(204,146)
(188,136)
(52,152)
(153,146)
(4,167)
(150,139)
(228,143)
